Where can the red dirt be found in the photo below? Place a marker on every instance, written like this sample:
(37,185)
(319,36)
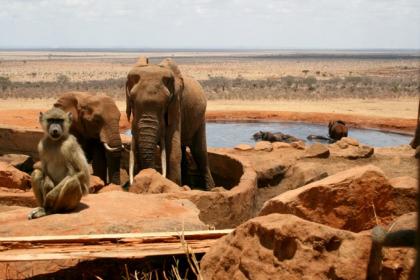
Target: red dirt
(29,118)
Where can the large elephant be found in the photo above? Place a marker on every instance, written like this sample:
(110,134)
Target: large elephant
(168,110)
(416,140)
(337,129)
(96,127)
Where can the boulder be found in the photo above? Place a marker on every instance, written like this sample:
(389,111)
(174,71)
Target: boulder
(287,247)
(243,147)
(16,197)
(398,263)
(349,141)
(280,145)
(95,184)
(303,173)
(343,149)
(300,145)
(116,212)
(270,172)
(404,182)
(150,181)
(263,146)
(22,162)
(346,200)
(111,188)
(11,177)
(317,150)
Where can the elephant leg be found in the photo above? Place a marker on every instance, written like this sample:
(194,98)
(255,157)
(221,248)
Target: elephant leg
(184,167)
(99,161)
(174,157)
(113,160)
(199,153)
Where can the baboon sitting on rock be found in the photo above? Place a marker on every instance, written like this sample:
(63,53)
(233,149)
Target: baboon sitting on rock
(63,177)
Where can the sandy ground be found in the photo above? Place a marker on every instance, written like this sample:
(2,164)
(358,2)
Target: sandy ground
(404,108)
(390,115)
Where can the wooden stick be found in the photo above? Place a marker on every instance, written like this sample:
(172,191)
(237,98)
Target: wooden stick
(120,246)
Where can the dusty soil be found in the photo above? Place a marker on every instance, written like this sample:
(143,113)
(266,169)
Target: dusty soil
(390,115)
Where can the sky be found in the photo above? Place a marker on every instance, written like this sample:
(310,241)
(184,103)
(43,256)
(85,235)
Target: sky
(208,24)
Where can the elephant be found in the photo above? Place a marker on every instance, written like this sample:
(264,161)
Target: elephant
(337,129)
(96,127)
(274,137)
(319,137)
(168,109)
(416,140)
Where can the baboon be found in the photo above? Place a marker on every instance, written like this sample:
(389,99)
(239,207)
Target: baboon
(337,129)
(62,177)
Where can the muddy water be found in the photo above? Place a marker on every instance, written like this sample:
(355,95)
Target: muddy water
(229,134)
(232,133)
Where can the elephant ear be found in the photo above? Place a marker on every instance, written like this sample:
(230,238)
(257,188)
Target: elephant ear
(68,102)
(142,61)
(174,109)
(132,79)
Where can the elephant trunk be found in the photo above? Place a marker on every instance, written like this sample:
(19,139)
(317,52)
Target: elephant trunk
(147,141)
(112,142)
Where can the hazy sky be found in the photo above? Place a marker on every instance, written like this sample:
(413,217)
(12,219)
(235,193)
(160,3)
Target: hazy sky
(331,24)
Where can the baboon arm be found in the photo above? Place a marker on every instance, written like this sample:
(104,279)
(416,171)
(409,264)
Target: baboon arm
(77,165)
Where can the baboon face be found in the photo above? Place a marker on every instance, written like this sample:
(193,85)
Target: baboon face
(56,123)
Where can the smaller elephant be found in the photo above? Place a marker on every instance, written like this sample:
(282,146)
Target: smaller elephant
(318,137)
(274,137)
(96,126)
(337,129)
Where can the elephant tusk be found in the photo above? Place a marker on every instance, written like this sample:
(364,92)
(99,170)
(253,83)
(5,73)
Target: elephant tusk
(108,148)
(163,156)
(131,163)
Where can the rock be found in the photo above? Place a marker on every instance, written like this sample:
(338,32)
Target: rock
(22,162)
(398,263)
(303,173)
(95,184)
(287,247)
(345,200)
(11,177)
(404,182)
(417,153)
(116,212)
(300,145)
(264,146)
(341,144)
(243,147)
(111,188)
(317,150)
(343,149)
(270,172)
(280,145)
(350,141)
(15,197)
(150,181)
